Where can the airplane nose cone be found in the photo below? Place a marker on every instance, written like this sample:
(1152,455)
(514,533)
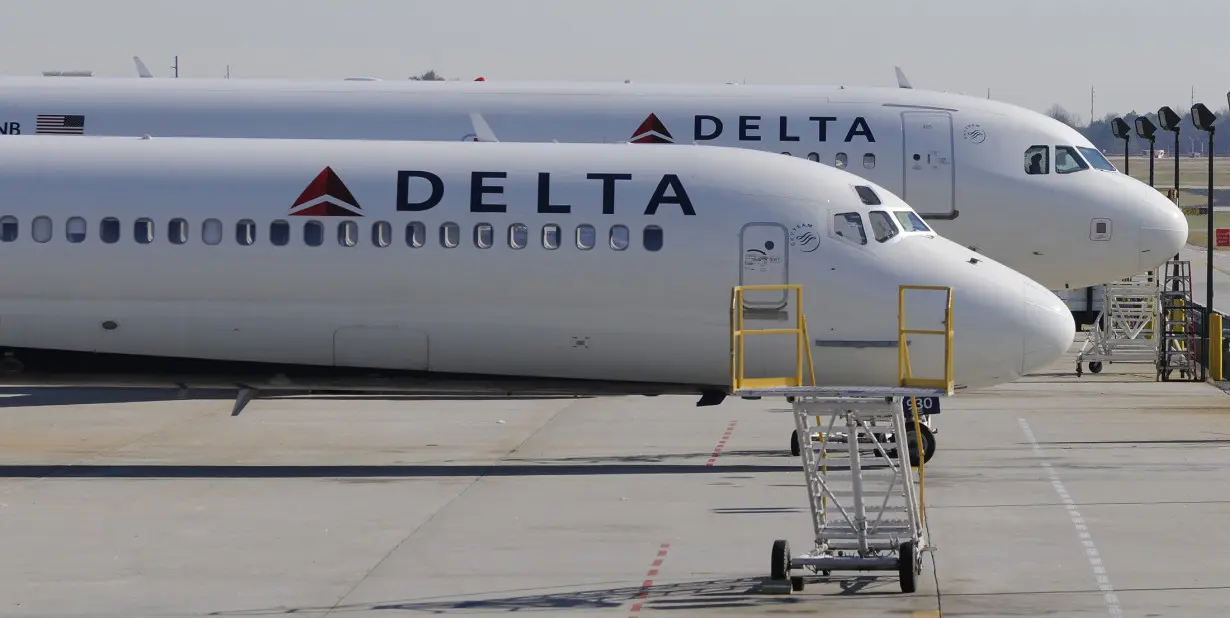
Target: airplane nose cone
(1049,329)
(1162,233)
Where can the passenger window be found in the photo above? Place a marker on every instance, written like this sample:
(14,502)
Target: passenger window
(177,231)
(450,233)
(416,234)
(1037,160)
(841,160)
(143,231)
(347,233)
(518,235)
(849,225)
(75,229)
(245,232)
(882,226)
(910,221)
(868,196)
(585,237)
(8,228)
(869,160)
(279,233)
(41,230)
(651,238)
(211,232)
(1068,161)
(619,237)
(813,156)
(313,233)
(109,230)
(484,236)
(382,234)
(550,236)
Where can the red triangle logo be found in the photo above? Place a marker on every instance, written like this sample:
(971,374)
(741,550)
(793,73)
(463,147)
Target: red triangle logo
(652,131)
(326,196)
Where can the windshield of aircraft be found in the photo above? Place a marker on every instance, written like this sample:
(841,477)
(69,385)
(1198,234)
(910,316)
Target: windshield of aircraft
(1095,158)
(910,221)
(1068,161)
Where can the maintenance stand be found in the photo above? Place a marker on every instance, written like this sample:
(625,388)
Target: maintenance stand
(867,514)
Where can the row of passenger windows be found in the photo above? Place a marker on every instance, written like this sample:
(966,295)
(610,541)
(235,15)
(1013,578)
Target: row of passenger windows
(1068,159)
(517,236)
(841,160)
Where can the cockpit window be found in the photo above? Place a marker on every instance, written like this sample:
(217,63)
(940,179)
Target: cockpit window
(882,226)
(1068,161)
(849,225)
(910,221)
(1095,158)
(868,196)
(1037,160)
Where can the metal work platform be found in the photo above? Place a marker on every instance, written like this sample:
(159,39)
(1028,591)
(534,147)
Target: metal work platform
(1125,330)
(1178,324)
(867,510)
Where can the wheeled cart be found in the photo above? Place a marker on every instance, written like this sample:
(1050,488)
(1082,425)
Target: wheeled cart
(866,507)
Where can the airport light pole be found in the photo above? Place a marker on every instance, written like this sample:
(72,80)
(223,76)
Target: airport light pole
(1204,119)
(1122,131)
(1170,122)
(1145,129)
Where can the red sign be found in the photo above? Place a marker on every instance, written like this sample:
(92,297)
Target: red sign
(1223,237)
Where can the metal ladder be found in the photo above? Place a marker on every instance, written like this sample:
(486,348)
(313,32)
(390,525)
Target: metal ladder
(1126,328)
(867,511)
(1178,324)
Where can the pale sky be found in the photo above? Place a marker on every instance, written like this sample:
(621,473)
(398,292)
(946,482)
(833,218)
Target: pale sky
(1029,52)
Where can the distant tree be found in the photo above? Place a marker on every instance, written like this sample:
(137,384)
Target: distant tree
(1058,112)
(429,76)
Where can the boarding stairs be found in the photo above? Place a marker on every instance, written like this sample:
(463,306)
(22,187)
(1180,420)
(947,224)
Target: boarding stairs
(855,443)
(1177,351)
(1126,329)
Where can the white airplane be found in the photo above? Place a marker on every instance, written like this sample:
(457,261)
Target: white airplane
(1010,183)
(477,268)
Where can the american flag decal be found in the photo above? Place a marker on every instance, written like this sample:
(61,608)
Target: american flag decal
(59,124)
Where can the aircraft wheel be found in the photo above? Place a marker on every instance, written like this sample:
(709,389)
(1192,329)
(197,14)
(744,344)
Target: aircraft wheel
(1095,367)
(795,447)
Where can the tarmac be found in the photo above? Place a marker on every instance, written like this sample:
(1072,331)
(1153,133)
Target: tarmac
(1104,495)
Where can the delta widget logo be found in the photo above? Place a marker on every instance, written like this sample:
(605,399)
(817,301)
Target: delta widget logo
(326,196)
(652,131)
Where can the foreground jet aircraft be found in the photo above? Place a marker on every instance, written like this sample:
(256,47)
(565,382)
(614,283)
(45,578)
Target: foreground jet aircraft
(478,268)
(1010,183)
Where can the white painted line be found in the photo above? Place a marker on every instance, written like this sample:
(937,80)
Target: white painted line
(1091,551)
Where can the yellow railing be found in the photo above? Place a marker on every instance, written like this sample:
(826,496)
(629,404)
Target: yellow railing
(738,380)
(904,371)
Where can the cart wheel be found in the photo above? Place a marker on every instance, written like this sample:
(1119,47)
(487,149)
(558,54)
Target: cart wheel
(796,583)
(1095,367)
(795,448)
(780,566)
(905,567)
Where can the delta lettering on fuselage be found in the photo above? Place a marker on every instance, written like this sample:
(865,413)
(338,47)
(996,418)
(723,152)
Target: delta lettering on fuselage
(750,128)
(484,186)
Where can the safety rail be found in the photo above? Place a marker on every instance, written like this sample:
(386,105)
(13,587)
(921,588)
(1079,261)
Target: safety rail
(904,371)
(738,380)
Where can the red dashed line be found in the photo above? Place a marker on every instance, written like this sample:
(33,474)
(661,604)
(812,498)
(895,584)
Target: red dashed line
(717,450)
(653,572)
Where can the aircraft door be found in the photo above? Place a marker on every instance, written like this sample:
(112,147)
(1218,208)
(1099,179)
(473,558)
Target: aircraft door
(762,250)
(929,171)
